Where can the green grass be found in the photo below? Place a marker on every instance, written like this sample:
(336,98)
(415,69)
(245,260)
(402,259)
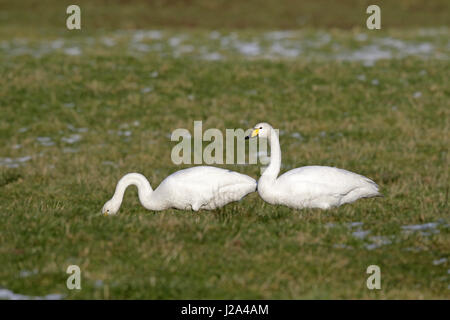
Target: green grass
(394,130)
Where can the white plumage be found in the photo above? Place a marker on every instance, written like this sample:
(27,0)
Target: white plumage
(311,186)
(196,188)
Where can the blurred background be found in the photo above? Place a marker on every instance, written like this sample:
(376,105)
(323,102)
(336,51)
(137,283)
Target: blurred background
(45,15)
(81,108)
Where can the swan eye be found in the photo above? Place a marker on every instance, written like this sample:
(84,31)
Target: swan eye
(260,127)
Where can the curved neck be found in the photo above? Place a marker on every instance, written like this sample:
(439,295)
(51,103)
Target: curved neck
(275,157)
(144,189)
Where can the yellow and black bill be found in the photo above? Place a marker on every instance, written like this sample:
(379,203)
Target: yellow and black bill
(253,134)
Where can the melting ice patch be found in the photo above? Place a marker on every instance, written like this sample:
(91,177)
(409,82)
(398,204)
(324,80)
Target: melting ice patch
(71,139)
(72,128)
(417,227)
(28,273)
(319,45)
(361,37)
(146,89)
(98,283)
(354,224)
(74,51)
(425,229)
(110,163)
(360,234)
(109,42)
(214,35)
(6,294)
(45,141)
(141,35)
(361,77)
(57,44)
(279,35)
(69,105)
(370,242)
(14,162)
(297,135)
(280,50)
(417,94)
(369,54)
(175,41)
(439,261)
(248,48)
(212,56)
(377,241)
(125,133)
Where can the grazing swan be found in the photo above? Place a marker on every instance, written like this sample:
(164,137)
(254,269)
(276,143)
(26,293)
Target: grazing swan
(196,188)
(311,186)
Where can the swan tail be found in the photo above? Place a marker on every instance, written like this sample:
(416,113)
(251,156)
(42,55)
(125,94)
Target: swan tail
(369,189)
(373,189)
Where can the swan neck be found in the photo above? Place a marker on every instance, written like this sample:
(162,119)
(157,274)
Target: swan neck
(143,185)
(273,169)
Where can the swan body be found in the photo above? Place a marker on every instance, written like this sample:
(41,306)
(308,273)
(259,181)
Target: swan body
(311,186)
(196,188)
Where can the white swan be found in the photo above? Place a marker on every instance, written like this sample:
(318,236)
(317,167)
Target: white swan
(311,186)
(196,188)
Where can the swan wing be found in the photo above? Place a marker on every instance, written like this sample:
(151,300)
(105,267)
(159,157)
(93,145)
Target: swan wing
(326,184)
(210,177)
(206,187)
(332,175)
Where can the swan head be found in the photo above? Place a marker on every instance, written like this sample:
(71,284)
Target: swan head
(110,207)
(262,130)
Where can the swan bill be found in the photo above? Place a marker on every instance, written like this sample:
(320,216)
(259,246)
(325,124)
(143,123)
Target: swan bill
(253,134)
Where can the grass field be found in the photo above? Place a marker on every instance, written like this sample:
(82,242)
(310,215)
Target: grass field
(81,109)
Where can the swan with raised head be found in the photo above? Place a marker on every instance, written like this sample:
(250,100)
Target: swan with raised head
(196,188)
(310,186)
